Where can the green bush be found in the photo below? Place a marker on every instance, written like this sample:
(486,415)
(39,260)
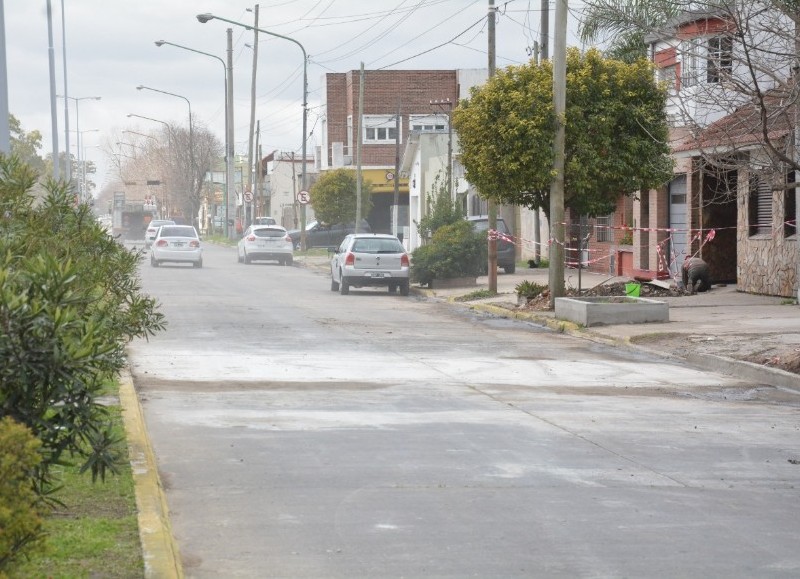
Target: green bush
(20,509)
(70,301)
(529,289)
(455,250)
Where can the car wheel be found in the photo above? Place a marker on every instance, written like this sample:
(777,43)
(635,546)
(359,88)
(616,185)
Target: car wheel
(344,287)
(238,257)
(153,261)
(288,261)
(246,258)
(510,268)
(404,288)
(334,285)
(198,264)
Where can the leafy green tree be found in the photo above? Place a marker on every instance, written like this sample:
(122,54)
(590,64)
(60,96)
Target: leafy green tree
(25,145)
(616,133)
(70,301)
(334,196)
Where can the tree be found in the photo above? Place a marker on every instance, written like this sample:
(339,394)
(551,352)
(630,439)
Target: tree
(70,301)
(625,23)
(749,75)
(334,197)
(616,133)
(26,145)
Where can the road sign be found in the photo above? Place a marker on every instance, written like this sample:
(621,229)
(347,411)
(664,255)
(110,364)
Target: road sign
(304,197)
(248,197)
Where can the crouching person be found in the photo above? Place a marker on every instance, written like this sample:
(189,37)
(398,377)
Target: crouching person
(696,275)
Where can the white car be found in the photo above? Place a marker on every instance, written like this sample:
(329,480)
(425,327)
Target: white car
(177,244)
(266,242)
(370,259)
(152,229)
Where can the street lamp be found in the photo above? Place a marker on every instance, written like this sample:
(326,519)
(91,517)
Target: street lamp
(228,122)
(77,127)
(191,141)
(141,135)
(203,18)
(83,167)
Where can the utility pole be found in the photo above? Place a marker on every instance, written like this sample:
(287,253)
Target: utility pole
(492,210)
(5,129)
(358,147)
(398,123)
(250,168)
(229,192)
(556,272)
(541,54)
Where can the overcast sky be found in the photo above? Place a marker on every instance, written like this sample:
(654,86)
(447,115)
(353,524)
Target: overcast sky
(110,49)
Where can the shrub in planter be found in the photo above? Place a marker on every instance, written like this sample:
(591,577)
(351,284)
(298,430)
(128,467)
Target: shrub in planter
(455,250)
(529,289)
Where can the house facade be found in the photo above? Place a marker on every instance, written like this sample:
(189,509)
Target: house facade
(283,180)
(731,200)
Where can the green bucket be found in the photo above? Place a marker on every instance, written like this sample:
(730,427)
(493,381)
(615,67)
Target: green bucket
(632,289)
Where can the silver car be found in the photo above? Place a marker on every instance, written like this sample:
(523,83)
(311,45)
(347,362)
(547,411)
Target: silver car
(152,229)
(370,259)
(266,242)
(176,243)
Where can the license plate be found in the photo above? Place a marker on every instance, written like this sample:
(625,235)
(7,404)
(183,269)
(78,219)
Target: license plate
(378,274)
(178,244)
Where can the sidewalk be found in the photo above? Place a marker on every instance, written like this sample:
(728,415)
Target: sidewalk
(723,330)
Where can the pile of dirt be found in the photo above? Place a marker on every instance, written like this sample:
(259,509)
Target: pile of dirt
(646,290)
(788,360)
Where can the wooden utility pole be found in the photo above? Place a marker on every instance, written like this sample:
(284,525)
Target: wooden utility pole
(556,272)
(492,210)
(542,54)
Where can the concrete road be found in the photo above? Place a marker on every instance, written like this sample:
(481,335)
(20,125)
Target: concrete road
(301,433)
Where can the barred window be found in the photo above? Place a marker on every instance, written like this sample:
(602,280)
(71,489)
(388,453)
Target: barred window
(602,228)
(720,58)
(760,205)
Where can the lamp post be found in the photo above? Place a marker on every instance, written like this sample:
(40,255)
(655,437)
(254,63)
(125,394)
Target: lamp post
(77,101)
(191,141)
(83,166)
(203,18)
(228,121)
(80,159)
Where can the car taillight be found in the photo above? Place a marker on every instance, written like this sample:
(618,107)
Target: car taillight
(162,243)
(350,259)
(251,238)
(404,260)
(194,243)
(288,238)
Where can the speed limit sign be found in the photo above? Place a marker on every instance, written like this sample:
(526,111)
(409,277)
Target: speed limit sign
(303,197)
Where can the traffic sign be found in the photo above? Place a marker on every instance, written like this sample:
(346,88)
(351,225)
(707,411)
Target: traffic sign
(248,197)
(304,197)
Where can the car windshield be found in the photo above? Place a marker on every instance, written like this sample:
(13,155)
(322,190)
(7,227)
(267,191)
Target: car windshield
(377,245)
(269,232)
(177,231)
(483,225)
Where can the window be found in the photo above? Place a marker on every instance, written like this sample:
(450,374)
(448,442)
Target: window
(720,58)
(436,123)
(790,208)
(760,205)
(668,75)
(688,63)
(379,129)
(602,228)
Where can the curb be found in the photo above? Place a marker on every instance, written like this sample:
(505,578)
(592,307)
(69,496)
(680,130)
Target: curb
(159,549)
(722,364)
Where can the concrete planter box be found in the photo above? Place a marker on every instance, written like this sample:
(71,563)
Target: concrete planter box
(454,282)
(610,310)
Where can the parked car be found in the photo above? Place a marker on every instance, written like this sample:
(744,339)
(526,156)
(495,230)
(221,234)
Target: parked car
(152,229)
(178,244)
(264,221)
(266,242)
(322,235)
(506,250)
(370,259)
